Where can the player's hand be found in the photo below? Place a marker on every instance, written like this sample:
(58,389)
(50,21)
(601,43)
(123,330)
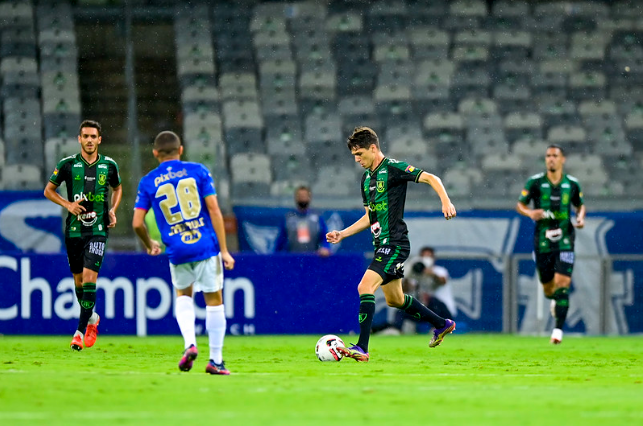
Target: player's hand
(75,208)
(112,218)
(580,222)
(334,237)
(155,250)
(228,260)
(448,209)
(323,252)
(537,214)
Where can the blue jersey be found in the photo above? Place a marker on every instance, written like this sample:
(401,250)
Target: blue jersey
(176,190)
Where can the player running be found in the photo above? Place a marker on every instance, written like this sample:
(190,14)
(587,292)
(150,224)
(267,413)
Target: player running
(553,194)
(88,177)
(184,201)
(383,190)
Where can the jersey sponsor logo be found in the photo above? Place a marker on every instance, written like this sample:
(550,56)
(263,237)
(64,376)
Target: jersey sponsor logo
(99,198)
(380,186)
(548,214)
(97,248)
(567,256)
(564,185)
(544,185)
(565,198)
(376,229)
(555,198)
(384,250)
(371,188)
(102,166)
(78,165)
(88,218)
(90,178)
(169,175)
(191,237)
(102,178)
(554,235)
(409,169)
(379,207)
(382,172)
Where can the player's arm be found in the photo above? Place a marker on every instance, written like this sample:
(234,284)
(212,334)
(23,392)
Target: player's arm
(219,228)
(580,216)
(74,208)
(117,195)
(138,223)
(448,209)
(533,214)
(357,227)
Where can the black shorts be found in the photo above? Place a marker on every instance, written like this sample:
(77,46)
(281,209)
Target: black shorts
(555,262)
(85,252)
(388,262)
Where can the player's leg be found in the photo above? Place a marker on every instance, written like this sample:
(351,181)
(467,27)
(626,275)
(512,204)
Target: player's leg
(562,282)
(546,266)
(94,251)
(410,305)
(366,289)
(74,247)
(183,276)
(210,280)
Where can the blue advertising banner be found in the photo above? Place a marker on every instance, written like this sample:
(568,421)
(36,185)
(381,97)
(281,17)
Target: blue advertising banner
(277,294)
(30,223)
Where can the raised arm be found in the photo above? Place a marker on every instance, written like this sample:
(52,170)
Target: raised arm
(357,227)
(448,209)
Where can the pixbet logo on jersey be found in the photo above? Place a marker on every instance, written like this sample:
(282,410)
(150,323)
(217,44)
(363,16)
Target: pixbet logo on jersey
(90,196)
(169,175)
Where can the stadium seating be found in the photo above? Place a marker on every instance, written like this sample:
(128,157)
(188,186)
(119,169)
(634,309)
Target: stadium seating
(448,85)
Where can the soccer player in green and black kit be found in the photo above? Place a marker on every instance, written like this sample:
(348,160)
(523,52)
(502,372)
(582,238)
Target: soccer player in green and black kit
(383,190)
(88,176)
(553,194)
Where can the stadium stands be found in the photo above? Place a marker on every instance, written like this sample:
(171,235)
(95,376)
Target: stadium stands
(469,91)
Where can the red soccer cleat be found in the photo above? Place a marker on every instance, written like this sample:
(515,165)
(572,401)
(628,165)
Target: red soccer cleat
(77,342)
(91,333)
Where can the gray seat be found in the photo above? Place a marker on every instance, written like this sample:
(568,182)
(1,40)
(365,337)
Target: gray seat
(23,176)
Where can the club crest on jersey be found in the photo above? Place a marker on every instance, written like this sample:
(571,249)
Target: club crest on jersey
(102,178)
(380,186)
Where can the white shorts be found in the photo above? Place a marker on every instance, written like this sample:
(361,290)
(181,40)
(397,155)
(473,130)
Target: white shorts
(206,275)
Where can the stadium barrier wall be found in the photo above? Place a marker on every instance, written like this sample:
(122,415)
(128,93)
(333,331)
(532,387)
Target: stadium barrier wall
(306,294)
(486,253)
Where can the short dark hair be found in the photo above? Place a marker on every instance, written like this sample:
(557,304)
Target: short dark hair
(427,248)
(363,137)
(558,147)
(167,143)
(303,188)
(89,123)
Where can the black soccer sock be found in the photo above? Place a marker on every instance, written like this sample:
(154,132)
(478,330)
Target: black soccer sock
(366,312)
(417,310)
(86,305)
(561,296)
(79,293)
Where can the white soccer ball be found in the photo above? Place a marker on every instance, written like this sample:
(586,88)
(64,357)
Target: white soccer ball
(326,348)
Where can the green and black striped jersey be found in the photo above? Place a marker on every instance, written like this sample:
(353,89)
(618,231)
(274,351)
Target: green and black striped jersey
(555,232)
(384,193)
(88,182)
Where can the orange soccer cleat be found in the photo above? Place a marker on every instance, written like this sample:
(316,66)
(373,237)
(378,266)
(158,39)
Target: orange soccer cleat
(91,333)
(77,341)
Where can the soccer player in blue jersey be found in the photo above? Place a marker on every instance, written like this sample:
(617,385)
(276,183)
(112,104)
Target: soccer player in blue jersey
(183,198)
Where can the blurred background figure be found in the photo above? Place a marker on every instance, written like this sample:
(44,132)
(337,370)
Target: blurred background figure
(430,284)
(304,230)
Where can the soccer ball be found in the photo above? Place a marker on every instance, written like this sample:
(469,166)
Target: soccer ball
(326,348)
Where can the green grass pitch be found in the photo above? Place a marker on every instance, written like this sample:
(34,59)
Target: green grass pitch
(277,380)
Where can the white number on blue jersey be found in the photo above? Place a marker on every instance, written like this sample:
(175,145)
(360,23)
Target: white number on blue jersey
(186,195)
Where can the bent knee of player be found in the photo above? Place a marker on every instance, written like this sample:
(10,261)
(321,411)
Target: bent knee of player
(549,288)
(561,280)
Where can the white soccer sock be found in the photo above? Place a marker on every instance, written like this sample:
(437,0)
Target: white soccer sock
(215,323)
(185,318)
(93,319)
